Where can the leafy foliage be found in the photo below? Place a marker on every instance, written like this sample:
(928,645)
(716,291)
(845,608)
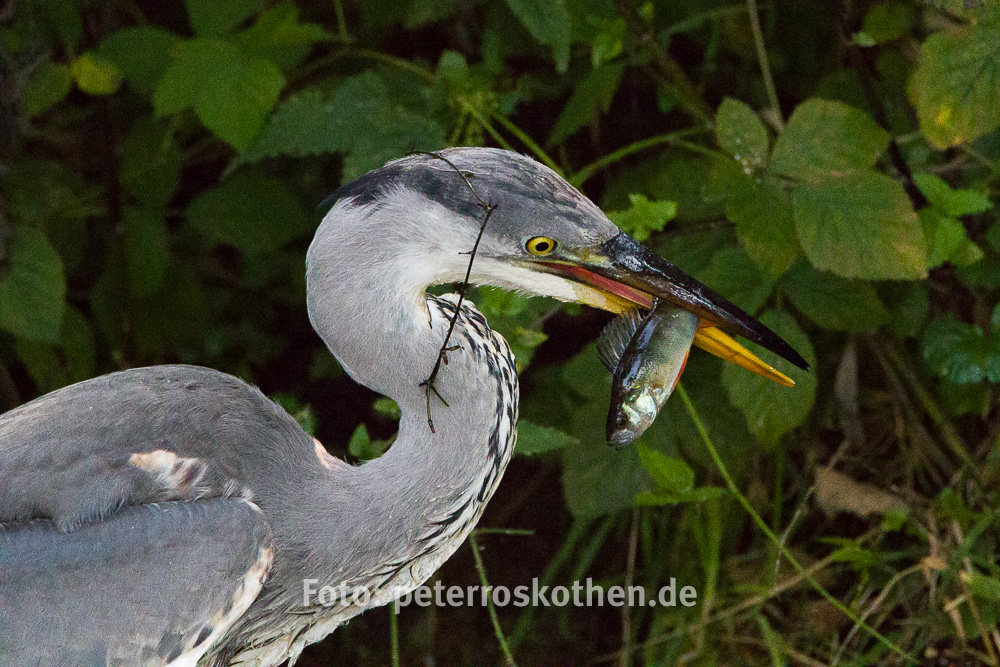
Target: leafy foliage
(161,163)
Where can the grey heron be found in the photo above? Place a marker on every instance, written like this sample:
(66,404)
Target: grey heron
(171,515)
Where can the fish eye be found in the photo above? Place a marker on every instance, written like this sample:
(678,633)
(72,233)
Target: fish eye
(540,245)
(621,421)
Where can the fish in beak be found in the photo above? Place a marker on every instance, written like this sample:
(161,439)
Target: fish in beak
(623,273)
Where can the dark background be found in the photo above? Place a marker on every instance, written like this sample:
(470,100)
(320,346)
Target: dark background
(829,167)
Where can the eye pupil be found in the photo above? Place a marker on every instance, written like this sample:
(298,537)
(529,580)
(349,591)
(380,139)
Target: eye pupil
(540,245)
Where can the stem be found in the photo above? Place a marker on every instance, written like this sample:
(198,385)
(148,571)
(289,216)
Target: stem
(633,542)
(765,65)
(504,531)
(731,485)
(338,8)
(494,619)
(688,96)
(527,141)
(576,533)
(584,174)
(393,629)
(485,122)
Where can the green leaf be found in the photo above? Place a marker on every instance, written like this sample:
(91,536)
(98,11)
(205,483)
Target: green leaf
(670,473)
(765,223)
(43,364)
(534,438)
(32,288)
(887,21)
(280,37)
(48,369)
(908,304)
(824,136)
(644,217)
(741,133)
(608,40)
(422,12)
(661,497)
(962,353)
(147,249)
(231,91)
(993,236)
(981,586)
(956,86)
(860,225)
(251,212)
(78,348)
(672,176)
(596,479)
(833,302)
(361,119)
(64,19)
(142,55)
(151,163)
(48,85)
(734,274)
(360,444)
(214,18)
(452,73)
(947,240)
(954,203)
(387,407)
(592,95)
(770,409)
(548,21)
(95,74)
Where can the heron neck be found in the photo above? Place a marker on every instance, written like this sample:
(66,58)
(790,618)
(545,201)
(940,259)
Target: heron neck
(376,319)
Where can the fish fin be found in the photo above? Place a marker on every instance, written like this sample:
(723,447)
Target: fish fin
(615,338)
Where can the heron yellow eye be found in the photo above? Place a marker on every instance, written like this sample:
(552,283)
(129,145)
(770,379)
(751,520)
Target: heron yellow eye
(540,245)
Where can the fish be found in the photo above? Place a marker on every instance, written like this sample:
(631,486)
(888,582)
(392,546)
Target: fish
(647,354)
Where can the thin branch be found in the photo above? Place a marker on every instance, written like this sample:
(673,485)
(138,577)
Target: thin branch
(731,485)
(689,97)
(527,141)
(338,8)
(746,605)
(587,172)
(633,541)
(394,632)
(765,65)
(494,618)
(442,357)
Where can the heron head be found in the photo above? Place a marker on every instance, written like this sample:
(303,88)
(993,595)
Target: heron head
(545,237)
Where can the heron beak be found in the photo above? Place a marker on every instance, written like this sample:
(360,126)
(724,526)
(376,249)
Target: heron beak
(624,272)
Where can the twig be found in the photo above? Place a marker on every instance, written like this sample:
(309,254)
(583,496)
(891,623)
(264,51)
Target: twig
(747,604)
(765,65)
(576,533)
(687,94)
(526,140)
(428,384)
(338,8)
(503,531)
(633,542)
(731,485)
(494,618)
(876,603)
(394,632)
(584,174)
(485,122)
(948,432)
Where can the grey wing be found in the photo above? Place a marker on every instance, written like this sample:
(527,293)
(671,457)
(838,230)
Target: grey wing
(140,436)
(150,586)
